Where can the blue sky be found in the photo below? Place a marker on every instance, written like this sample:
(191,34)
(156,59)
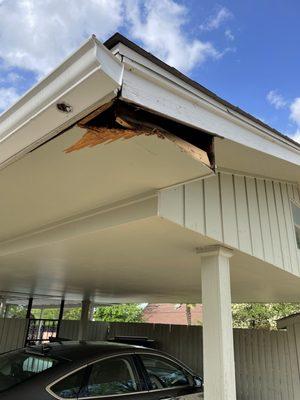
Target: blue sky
(245,51)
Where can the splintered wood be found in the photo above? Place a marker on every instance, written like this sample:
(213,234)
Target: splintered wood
(110,123)
(99,135)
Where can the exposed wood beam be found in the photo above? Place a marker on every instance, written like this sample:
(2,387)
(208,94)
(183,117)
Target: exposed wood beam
(116,120)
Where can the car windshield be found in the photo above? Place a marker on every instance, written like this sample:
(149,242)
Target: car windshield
(18,366)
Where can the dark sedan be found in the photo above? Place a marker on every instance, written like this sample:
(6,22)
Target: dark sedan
(96,370)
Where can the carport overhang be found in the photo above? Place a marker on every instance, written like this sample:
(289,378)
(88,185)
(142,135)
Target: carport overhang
(81,217)
(84,219)
(126,253)
(80,212)
(88,78)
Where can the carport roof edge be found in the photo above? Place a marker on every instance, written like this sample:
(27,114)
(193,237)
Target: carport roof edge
(86,79)
(119,38)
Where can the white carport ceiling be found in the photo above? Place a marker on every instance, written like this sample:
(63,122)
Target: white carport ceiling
(145,260)
(48,185)
(237,157)
(65,230)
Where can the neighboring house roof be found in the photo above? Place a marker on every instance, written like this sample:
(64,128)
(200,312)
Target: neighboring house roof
(171,314)
(118,38)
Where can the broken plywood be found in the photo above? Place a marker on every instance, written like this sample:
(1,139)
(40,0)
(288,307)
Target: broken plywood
(113,122)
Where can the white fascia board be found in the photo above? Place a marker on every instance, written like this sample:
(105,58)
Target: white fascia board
(160,91)
(91,76)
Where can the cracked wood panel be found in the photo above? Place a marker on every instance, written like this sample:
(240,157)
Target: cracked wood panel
(113,122)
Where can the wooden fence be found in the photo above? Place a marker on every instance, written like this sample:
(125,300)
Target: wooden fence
(267,363)
(12,333)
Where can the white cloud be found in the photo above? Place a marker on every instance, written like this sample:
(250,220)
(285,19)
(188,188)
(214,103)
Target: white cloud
(159,24)
(214,21)
(295,111)
(296,136)
(46,31)
(229,35)
(295,117)
(38,34)
(7,97)
(276,99)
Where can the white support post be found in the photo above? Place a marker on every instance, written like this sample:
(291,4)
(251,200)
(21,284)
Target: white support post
(84,319)
(2,307)
(218,350)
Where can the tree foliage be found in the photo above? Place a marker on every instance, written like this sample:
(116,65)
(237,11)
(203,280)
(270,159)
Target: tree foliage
(72,313)
(261,316)
(119,313)
(15,311)
(115,313)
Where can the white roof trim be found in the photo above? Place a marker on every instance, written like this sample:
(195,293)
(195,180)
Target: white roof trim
(149,85)
(84,80)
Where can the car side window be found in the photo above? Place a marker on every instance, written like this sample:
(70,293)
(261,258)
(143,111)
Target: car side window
(70,386)
(164,373)
(111,376)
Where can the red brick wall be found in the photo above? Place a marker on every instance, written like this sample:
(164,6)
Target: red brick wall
(171,314)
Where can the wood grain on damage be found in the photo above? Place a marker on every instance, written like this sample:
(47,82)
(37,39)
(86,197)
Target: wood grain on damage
(124,127)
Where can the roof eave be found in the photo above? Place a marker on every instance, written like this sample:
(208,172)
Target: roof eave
(86,79)
(275,134)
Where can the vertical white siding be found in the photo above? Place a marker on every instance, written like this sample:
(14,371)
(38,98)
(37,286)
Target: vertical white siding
(194,206)
(173,210)
(274,224)
(264,221)
(230,230)
(243,224)
(212,202)
(282,227)
(254,218)
(248,213)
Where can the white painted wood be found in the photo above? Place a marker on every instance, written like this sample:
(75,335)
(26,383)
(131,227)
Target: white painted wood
(274,225)
(194,206)
(246,213)
(152,90)
(213,218)
(291,237)
(84,320)
(296,193)
(228,210)
(103,217)
(255,225)
(87,77)
(282,227)
(243,223)
(265,221)
(171,204)
(218,351)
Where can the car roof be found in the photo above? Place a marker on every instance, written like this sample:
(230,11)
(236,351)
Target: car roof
(87,350)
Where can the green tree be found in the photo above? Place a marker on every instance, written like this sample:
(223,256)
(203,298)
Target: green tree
(47,313)
(72,313)
(261,316)
(15,311)
(119,313)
